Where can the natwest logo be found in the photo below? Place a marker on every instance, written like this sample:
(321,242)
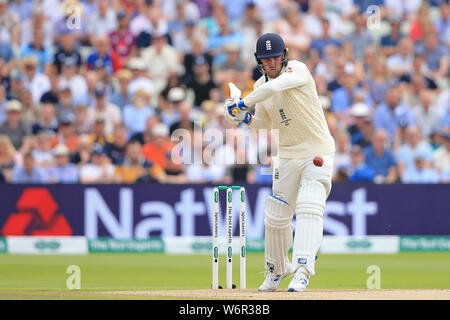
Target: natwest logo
(37,216)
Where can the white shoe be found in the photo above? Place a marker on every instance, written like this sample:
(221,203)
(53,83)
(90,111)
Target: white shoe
(299,282)
(272,281)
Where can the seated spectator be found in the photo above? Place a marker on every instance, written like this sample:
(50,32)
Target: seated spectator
(104,109)
(102,56)
(62,171)
(146,135)
(233,62)
(380,159)
(135,166)
(358,112)
(401,62)
(175,172)
(156,150)
(140,79)
(116,149)
(122,39)
(14,127)
(393,113)
(358,170)
(186,115)
(389,42)
(441,159)
(135,115)
(76,82)
(168,113)
(360,38)
(99,169)
(420,172)
(436,56)
(30,110)
(81,124)
(427,115)
(43,148)
(413,147)
(8,157)
(29,172)
(202,84)
(342,155)
(419,68)
(121,97)
(35,81)
(198,53)
(67,50)
(98,133)
(37,49)
(161,60)
(46,120)
(319,44)
(379,80)
(65,104)
(83,153)
(15,83)
(52,95)
(102,21)
(66,133)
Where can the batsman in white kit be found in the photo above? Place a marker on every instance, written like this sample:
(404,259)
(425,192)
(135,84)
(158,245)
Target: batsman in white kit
(285,99)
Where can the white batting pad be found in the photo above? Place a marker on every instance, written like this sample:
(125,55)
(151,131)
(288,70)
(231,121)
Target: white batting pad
(309,225)
(278,237)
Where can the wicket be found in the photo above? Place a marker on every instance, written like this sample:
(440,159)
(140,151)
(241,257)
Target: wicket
(229,237)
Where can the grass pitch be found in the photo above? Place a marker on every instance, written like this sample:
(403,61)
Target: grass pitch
(44,277)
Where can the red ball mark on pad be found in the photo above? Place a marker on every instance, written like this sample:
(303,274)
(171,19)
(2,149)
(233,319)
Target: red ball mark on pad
(318,161)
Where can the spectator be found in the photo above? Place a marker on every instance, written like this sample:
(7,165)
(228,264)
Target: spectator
(436,56)
(83,153)
(98,170)
(420,172)
(22,8)
(419,69)
(65,105)
(122,39)
(115,150)
(81,124)
(35,81)
(140,78)
(10,25)
(319,44)
(121,96)
(30,109)
(98,132)
(155,151)
(16,84)
(169,113)
(62,171)
(441,159)
(223,72)
(360,39)
(104,109)
(52,96)
(380,159)
(197,54)
(358,170)
(401,62)
(29,172)
(186,115)
(66,133)
(146,135)
(47,119)
(342,155)
(8,157)
(426,115)
(67,50)
(43,149)
(359,113)
(393,113)
(135,166)
(379,80)
(102,56)
(161,60)
(76,82)
(37,49)
(14,127)
(413,147)
(135,115)
(202,84)
(389,42)
(102,21)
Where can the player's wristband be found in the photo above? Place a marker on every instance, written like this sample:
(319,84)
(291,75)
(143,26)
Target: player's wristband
(248,118)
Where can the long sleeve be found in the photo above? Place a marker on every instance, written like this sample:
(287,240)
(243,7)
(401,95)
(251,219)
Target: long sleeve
(293,76)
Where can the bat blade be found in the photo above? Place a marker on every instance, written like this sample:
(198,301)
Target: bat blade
(234,91)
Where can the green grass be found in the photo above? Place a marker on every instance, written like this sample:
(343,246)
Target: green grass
(44,277)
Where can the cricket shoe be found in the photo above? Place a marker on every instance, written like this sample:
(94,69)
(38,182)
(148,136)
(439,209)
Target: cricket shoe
(272,281)
(299,281)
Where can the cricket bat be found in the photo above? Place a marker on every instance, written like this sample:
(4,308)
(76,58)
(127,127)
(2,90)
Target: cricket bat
(235,92)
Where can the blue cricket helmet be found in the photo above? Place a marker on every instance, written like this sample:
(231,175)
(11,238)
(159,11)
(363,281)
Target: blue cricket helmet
(270,45)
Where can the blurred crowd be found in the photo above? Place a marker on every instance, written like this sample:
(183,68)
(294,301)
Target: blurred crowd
(97,91)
